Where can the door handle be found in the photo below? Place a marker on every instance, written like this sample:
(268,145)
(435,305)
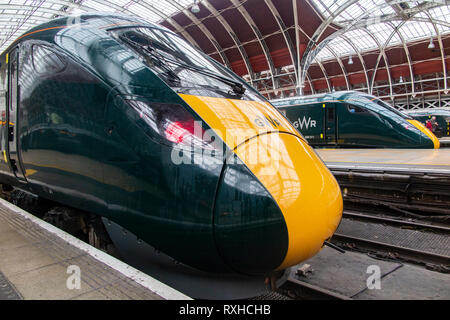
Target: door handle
(11,133)
(13,164)
(110,128)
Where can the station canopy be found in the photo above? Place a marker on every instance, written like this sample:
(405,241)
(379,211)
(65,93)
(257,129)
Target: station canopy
(18,16)
(286,47)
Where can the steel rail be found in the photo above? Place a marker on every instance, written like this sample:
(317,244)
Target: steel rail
(408,254)
(396,222)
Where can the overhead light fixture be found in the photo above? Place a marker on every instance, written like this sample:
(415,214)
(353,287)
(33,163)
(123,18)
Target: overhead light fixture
(431,45)
(400,80)
(350,60)
(195,8)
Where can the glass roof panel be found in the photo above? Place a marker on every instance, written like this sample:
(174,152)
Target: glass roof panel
(341,47)
(388,15)
(324,54)
(373,7)
(414,30)
(362,39)
(383,31)
(18,16)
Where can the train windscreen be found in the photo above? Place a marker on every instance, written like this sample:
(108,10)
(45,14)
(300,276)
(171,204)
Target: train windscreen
(389,107)
(182,66)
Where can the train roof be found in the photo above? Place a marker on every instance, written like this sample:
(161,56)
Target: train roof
(329,96)
(97,19)
(426,112)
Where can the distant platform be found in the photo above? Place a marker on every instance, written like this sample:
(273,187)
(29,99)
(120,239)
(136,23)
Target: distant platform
(393,160)
(445,142)
(41,262)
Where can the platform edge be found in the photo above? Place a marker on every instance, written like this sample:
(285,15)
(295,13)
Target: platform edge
(128,271)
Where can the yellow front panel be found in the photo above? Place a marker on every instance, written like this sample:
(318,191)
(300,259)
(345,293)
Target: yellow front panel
(424,129)
(304,189)
(235,121)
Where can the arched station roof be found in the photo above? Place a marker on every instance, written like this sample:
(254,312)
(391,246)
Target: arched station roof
(287,47)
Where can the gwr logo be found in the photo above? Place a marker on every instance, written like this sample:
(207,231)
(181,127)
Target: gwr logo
(305,123)
(266,121)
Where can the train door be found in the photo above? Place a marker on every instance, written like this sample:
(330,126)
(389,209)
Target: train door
(330,124)
(11,114)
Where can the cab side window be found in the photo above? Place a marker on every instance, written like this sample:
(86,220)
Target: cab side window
(46,61)
(355,109)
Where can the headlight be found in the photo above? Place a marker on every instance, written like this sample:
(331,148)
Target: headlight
(175,125)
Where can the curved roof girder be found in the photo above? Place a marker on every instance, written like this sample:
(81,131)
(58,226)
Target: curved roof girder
(344,72)
(363,63)
(318,33)
(29,7)
(324,74)
(413,18)
(313,90)
(171,21)
(185,34)
(284,32)
(408,56)
(205,31)
(233,36)
(429,20)
(258,35)
(18,16)
(441,48)
(383,55)
(300,85)
(307,57)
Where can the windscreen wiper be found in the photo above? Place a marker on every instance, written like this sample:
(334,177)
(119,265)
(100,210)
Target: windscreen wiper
(236,86)
(154,57)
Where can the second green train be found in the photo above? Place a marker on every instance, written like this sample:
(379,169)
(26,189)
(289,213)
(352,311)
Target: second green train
(350,119)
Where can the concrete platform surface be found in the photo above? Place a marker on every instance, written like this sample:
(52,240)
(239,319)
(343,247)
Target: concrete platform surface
(409,160)
(39,261)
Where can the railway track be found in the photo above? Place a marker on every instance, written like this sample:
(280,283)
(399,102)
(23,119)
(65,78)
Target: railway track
(387,237)
(296,288)
(399,222)
(439,262)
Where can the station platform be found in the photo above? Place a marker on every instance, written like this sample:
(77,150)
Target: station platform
(411,179)
(393,160)
(41,262)
(445,142)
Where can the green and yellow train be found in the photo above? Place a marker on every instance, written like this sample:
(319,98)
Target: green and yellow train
(351,119)
(442,118)
(187,166)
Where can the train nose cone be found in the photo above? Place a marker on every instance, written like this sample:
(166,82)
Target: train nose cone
(276,205)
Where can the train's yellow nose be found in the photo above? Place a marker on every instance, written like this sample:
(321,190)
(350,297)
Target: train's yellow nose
(304,189)
(427,132)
